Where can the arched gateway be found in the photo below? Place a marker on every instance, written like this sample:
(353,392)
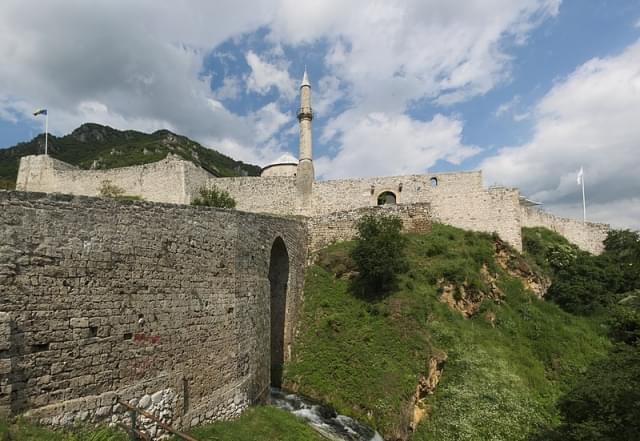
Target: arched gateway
(278,278)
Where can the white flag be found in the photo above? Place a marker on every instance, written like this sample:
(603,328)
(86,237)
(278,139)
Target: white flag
(580,173)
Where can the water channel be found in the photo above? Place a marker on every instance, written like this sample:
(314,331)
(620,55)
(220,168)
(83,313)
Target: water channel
(323,418)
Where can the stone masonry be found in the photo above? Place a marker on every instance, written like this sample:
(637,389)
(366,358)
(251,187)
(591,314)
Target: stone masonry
(341,225)
(457,199)
(164,305)
(588,236)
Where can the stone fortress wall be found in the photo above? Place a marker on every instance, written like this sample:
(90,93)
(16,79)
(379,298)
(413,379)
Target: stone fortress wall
(171,180)
(166,305)
(327,229)
(457,199)
(189,311)
(588,236)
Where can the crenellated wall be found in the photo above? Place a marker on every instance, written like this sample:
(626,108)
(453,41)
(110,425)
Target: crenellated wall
(171,180)
(165,305)
(457,199)
(587,236)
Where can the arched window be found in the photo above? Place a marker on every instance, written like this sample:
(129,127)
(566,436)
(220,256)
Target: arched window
(387,198)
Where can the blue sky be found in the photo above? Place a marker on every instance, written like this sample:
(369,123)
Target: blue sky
(526,90)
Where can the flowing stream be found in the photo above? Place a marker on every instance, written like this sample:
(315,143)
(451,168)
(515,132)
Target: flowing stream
(323,418)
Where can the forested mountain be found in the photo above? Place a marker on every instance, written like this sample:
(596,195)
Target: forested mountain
(99,147)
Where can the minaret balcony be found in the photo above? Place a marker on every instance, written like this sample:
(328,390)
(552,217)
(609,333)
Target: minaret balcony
(305,113)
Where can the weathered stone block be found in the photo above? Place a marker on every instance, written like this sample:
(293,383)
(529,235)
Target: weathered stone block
(79,322)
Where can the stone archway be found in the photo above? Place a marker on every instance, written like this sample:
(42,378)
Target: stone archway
(387,198)
(278,278)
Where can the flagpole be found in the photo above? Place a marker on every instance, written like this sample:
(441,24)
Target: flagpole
(584,205)
(46,134)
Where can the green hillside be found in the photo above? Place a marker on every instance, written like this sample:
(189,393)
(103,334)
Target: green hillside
(462,348)
(506,365)
(96,146)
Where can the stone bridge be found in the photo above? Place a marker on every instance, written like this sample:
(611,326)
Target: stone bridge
(187,311)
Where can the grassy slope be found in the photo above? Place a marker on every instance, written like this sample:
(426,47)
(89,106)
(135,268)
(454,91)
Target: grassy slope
(365,357)
(22,431)
(114,148)
(259,423)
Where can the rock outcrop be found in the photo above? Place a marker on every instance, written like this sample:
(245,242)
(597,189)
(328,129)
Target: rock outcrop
(427,386)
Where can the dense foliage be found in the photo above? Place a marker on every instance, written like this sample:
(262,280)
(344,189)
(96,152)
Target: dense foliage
(379,253)
(584,283)
(507,365)
(604,403)
(214,197)
(97,146)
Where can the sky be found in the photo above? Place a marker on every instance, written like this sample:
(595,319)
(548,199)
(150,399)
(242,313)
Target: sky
(528,91)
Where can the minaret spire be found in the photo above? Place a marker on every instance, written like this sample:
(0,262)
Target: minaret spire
(305,174)
(305,78)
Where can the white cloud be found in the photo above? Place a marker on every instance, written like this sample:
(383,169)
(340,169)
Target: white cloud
(588,119)
(507,107)
(379,144)
(268,121)
(394,52)
(146,69)
(265,75)
(230,88)
(619,213)
(326,94)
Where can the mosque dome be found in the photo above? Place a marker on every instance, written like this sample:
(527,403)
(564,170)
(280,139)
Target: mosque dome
(285,165)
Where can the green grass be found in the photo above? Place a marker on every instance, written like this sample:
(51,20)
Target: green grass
(24,431)
(499,383)
(259,424)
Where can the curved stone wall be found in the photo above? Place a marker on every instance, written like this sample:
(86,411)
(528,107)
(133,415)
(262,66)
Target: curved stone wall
(165,305)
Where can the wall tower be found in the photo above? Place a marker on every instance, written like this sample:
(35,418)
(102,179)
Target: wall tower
(306,174)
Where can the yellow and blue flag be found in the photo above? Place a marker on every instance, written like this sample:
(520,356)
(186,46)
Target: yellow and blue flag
(40,112)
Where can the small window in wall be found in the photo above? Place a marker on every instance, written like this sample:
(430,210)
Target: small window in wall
(434,182)
(387,198)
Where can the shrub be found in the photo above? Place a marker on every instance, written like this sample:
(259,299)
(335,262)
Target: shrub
(214,197)
(624,321)
(623,247)
(379,252)
(585,285)
(109,190)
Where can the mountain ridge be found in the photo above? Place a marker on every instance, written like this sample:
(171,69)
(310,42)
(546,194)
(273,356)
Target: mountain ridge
(97,146)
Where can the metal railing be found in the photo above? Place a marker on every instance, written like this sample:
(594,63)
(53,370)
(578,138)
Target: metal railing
(137,434)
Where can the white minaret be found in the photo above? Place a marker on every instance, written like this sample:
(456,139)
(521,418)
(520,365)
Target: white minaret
(305,175)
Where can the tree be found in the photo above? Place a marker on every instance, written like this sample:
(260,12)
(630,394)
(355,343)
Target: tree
(623,247)
(379,252)
(214,197)
(605,404)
